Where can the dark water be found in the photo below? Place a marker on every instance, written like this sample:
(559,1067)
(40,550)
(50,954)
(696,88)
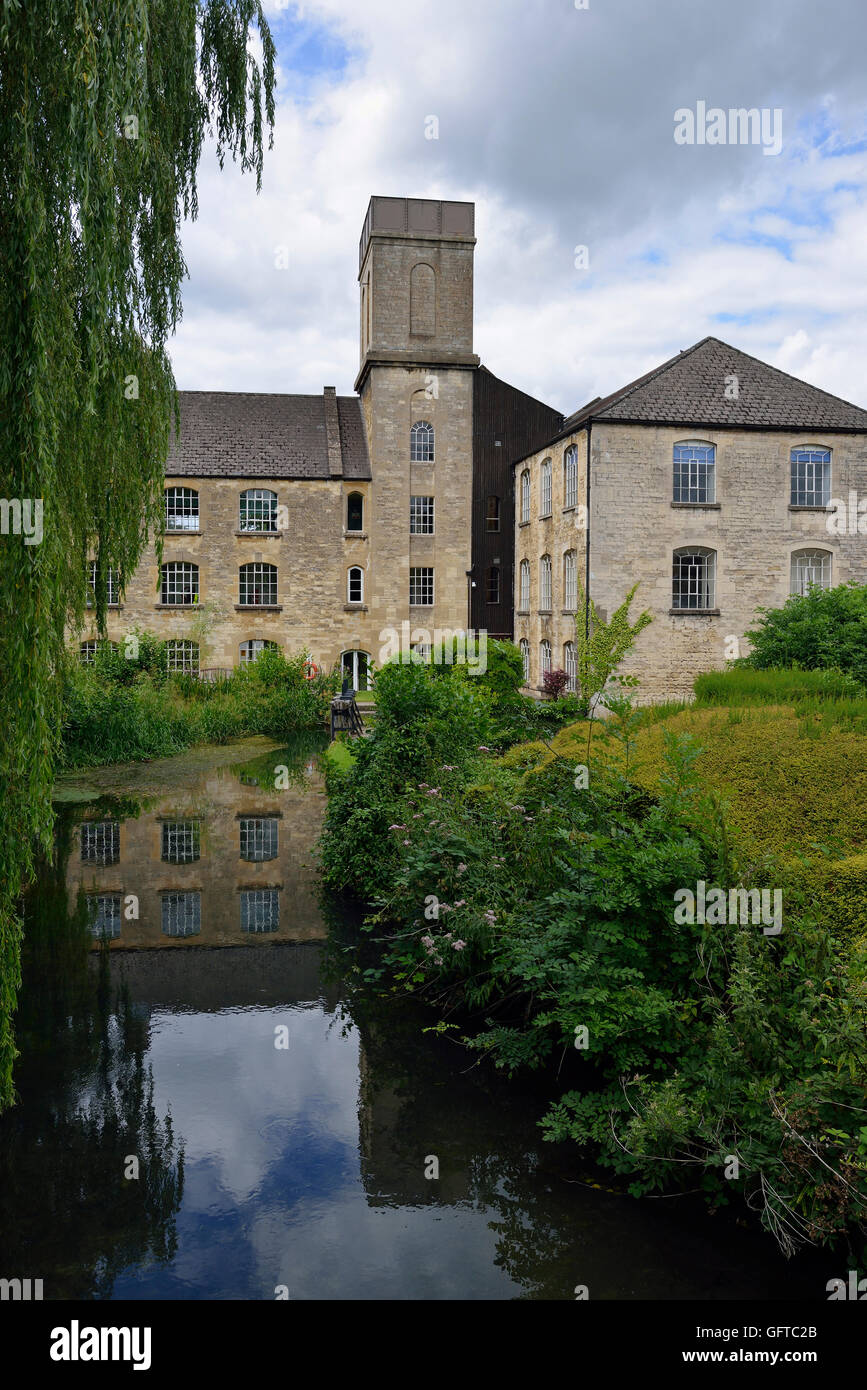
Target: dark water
(265,1169)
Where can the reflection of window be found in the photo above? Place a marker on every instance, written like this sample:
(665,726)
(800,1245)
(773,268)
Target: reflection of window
(182,656)
(421,516)
(100,842)
(694,473)
(694,578)
(181,841)
(421,442)
(811,477)
(112,585)
(182,914)
(250,650)
(492,517)
(810,567)
(258,510)
(570,666)
(103,916)
(260,909)
(545,583)
(258,839)
(492,585)
(525,658)
(258,584)
(421,585)
(182,509)
(355,585)
(525,586)
(355,512)
(355,666)
(180,583)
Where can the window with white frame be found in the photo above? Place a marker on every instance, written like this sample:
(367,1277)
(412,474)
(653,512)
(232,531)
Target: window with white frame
(259,838)
(103,915)
(112,585)
(355,584)
(88,649)
(100,842)
(355,666)
(545,584)
(254,647)
(544,658)
(545,489)
(811,477)
(258,510)
(421,586)
(260,909)
(570,477)
(525,658)
(525,495)
(421,516)
(810,568)
(570,579)
(181,509)
(257,585)
(181,914)
(694,472)
(524,586)
(421,442)
(180,583)
(182,656)
(181,841)
(570,666)
(694,579)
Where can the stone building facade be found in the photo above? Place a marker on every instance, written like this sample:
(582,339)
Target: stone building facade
(718,483)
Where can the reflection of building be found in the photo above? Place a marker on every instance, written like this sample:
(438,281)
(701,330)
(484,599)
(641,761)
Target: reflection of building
(229,861)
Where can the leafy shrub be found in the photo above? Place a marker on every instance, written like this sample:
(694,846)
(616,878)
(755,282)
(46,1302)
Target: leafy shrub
(826,629)
(554,683)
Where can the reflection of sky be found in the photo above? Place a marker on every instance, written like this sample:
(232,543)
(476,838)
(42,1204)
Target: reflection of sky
(273,1193)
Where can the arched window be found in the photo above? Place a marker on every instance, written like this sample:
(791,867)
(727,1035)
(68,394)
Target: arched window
(545,584)
(182,508)
(422,300)
(180,583)
(258,510)
(492,518)
(355,666)
(694,579)
(252,648)
(694,472)
(525,495)
(544,658)
(810,567)
(355,512)
(570,666)
(545,489)
(811,477)
(570,477)
(182,656)
(525,658)
(570,580)
(524,603)
(421,442)
(355,585)
(492,584)
(258,585)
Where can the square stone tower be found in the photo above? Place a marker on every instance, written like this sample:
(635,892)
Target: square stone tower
(416,388)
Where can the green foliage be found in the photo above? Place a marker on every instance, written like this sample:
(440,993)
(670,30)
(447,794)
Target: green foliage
(600,647)
(746,685)
(91,269)
(826,629)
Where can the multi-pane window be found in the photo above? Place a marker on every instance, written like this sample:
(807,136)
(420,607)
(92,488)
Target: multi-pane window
(525,495)
(180,583)
(260,909)
(545,489)
(811,477)
(258,838)
(251,649)
(100,842)
(421,516)
(570,666)
(694,579)
(524,603)
(545,583)
(258,584)
(355,512)
(570,579)
(181,914)
(355,584)
(258,510)
(112,585)
(103,915)
(570,477)
(810,567)
(88,649)
(492,584)
(544,658)
(182,656)
(181,841)
(421,585)
(525,658)
(355,666)
(421,442)
(182,509)
(492,516)
(694,472)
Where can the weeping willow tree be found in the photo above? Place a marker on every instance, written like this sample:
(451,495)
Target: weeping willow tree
(104,109)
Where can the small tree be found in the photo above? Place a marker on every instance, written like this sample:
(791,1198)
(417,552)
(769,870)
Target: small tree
(600,647)
(554,683)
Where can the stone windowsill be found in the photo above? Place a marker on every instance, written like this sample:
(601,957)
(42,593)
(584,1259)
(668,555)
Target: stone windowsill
(186,607)
(545,516)
(259,815)
(255,887)
(571,508)
(698,506)
(522,612)
(799,507)
(355,535)
(545,612)
(523,523)
(259,535)
(173,535)
(694,613)
(258,608)
(568,612)
(110,607)
(355,607)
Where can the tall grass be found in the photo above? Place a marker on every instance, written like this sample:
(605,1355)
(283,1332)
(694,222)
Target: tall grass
(778,686)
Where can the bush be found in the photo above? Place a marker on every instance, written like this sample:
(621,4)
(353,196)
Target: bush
(826,629)
(554,683)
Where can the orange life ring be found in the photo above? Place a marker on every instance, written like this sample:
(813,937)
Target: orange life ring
(311,670)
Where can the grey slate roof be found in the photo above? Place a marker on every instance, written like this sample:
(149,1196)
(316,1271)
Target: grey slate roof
(689,390)
(240,434)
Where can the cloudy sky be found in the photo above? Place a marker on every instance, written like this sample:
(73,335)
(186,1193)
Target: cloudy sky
(558,122)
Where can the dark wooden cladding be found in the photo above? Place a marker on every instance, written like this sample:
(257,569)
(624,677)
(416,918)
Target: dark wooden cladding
(507,424)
